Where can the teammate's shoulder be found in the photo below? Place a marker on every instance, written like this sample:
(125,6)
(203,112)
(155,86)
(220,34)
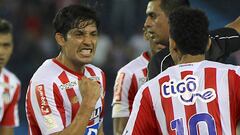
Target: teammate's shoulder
(11,75)
(134,65)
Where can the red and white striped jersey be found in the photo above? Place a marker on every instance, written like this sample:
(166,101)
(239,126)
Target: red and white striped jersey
(189,99)
(128,81)
(9,97)
(53,98)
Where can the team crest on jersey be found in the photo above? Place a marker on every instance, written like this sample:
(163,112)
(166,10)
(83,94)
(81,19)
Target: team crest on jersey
(94,78)
(142,80)
(50,122)
(68,85)
(42,100)
(6,97)
(5,85)
(187,91)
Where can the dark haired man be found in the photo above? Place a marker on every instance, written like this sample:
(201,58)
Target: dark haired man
(224,41)
(9,83)
(191,97)
(66,93)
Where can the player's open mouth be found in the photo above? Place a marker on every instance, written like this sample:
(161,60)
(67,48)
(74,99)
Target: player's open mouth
(86,51)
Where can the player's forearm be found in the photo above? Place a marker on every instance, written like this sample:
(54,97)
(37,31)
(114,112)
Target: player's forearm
(100,132)
(6,131)
(119,125)
(80,122)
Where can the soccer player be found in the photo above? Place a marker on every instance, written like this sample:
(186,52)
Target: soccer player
(66,93)
(196,96)
(224,41)
(128,81)
(9,83)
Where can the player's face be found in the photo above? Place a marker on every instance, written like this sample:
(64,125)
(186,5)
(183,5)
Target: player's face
(80,45)
(6,47)
(157,23)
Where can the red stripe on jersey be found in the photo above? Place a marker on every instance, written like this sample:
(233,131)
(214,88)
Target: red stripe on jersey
(189,109)
(90,70)
(146,56)
(104,81)
(42,100)
(213,107)
(167,105)
(79,75)
(145,72)
(6,91)
(9,119)
(70,93)
(146,122)
(59,103)
(234,87)
(237,87)
(33,128)
(132,92)
(6,80)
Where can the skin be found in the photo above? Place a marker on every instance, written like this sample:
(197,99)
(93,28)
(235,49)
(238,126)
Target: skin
(156,25)
(6,48)
(78,49)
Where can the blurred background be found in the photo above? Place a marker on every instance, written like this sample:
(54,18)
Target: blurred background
(120,41)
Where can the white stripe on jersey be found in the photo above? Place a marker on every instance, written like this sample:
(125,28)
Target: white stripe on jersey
(200,106)
(223,100)
(158,103)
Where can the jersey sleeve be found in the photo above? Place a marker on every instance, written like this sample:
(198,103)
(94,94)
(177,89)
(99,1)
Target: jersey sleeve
(142,119)
(10,117)
(46,110)
(124,85)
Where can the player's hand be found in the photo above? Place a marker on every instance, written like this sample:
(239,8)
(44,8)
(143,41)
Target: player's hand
(90,91)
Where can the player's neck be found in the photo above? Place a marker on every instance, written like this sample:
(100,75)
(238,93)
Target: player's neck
(191,58)
(79,68)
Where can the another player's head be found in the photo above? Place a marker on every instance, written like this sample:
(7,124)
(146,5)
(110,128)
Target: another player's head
(76,31)
(6,42)
(188,33)
(156,23)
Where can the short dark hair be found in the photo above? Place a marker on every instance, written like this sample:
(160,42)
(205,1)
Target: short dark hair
(5,26)
(169,5)
(72,16)
(189,29)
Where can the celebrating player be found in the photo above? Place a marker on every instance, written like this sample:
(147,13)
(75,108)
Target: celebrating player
(66,93)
